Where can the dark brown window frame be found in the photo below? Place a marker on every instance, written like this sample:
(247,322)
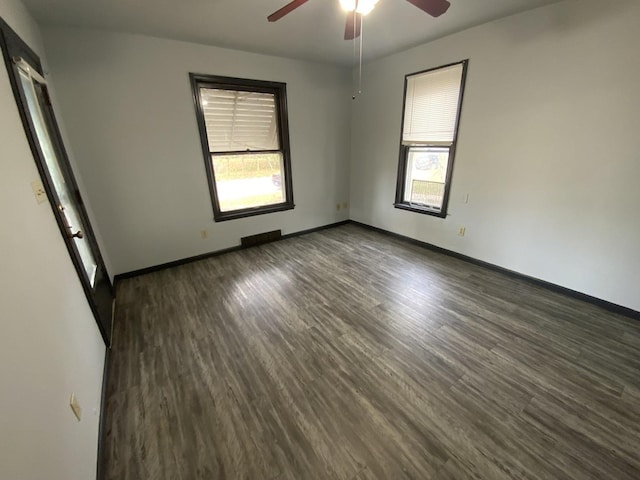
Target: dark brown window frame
(404,149)
(279,90)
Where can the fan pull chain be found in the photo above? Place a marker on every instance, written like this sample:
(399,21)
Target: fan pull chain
(360,66)
(359,90)
(353,97)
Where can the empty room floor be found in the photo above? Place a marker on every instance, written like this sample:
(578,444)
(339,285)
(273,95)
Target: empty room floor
(349,354)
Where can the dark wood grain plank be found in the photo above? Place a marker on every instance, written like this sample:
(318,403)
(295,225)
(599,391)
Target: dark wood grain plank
(347,354)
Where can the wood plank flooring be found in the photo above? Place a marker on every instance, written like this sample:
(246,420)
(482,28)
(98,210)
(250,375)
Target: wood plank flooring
(347,354)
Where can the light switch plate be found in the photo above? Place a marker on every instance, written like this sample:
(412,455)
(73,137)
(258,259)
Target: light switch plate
(75,406)
(38,191)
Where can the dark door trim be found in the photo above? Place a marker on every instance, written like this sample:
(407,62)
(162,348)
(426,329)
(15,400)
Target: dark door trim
(13,46)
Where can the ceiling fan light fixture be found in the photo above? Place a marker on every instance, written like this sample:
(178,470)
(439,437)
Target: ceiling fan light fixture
(363,6)
(348,5)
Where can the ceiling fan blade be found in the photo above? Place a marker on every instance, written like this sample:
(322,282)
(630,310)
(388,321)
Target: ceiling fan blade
(352,28)
(435,8)
(288,8)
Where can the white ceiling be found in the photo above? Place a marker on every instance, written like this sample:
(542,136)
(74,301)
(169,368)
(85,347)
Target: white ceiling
(314,31)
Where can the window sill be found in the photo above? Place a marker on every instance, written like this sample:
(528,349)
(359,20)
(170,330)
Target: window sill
(418,209)
(250,212)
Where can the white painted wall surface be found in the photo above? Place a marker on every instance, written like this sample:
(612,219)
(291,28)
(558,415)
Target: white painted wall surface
(548,149)
(49,341)
(127,104)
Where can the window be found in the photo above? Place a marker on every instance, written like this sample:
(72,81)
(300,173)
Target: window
(245,139)
(432,104)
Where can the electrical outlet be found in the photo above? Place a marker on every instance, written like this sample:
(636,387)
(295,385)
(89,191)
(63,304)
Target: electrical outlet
(462,231)
(337,206)
(204,234)
(38,191)
(75,406)
(345,204)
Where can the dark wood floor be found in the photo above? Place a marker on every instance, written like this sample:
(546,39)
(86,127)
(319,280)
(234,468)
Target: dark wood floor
(347,354)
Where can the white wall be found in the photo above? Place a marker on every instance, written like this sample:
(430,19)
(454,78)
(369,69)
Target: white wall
(49,344)
(548,146)
(127,104)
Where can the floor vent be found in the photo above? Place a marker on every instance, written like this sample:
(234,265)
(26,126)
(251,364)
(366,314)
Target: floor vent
(261,238)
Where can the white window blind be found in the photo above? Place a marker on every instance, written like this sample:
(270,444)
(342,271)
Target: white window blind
(239,121)
(431,107)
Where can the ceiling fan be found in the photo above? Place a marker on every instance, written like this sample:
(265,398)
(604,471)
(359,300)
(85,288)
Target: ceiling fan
(357,8)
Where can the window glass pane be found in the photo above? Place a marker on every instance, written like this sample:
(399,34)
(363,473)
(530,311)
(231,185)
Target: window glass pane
(239,121)
(249,180)
(431,106)
(426,176)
